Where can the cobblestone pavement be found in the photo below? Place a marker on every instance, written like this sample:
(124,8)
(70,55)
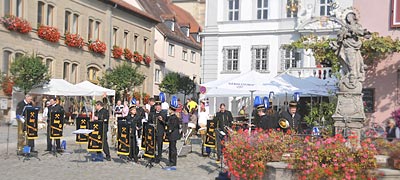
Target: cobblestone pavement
(76,163)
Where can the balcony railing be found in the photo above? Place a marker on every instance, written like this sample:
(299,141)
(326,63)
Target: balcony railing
(321,73)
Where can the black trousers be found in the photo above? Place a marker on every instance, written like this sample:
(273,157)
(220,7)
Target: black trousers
(159,146)
(134,148)
(49,141)
(219,137)
(173,153)
(106,148)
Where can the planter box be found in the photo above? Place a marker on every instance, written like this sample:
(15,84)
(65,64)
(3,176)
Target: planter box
(394,163)
(382,161)
(278,170)
(388,174)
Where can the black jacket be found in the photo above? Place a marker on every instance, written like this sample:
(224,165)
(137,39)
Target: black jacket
(294,122)
(134,122)
(55,109)
(154,119)
(268,122)
(224,119)
(173,127)
(102,115)
(20,107)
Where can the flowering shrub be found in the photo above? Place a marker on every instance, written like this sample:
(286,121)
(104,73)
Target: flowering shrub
(147,59)
(128,54)
(396,117)
(74,40)
(117,52)
(137,95)
(14,23)
(137,57)
(146,98)
(246,155)
(97,46)
(334,158)
(7,86)
(48,33)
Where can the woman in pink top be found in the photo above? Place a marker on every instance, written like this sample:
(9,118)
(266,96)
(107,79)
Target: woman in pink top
(125,110)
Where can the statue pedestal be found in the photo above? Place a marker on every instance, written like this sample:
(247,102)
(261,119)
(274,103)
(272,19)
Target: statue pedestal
(349,115)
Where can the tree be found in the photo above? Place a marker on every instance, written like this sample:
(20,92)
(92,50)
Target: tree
(29,72)
(186,86)
(123,79)
(170,83)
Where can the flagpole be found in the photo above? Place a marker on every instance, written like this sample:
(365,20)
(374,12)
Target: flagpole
(251,108)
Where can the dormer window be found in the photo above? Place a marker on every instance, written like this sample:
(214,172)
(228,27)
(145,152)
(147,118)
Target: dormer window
(198,38)
(170,24)
(185,30)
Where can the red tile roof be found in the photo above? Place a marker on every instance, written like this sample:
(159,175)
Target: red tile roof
(132,9)
(185,18)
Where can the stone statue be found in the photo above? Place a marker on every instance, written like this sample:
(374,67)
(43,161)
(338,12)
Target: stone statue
(348,49)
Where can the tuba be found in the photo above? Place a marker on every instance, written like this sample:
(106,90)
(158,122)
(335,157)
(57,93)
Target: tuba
(283,123)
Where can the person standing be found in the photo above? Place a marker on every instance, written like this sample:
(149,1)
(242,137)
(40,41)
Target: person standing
(268,118)
(292,116)
(54,107)
(118,109)
(158,118)
(185,120)
(125,110)
(173,134)
(392,131)
(224,119)
(134,122)
(102,115)
(20,113)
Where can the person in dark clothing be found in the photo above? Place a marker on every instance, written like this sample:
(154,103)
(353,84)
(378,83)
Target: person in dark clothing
(223,120)
(173,134)
(268,117)
(20,113)
(134,123)
(158,118)
(392,131)
(292,116)
(101,114)
(54,107)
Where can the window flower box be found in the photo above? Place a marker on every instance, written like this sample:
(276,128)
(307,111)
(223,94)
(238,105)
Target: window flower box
(147,59)
(117,52)
(128,54)
(14,23)
(74,40)
(48,33)
(137,57)
(7,86)
(97,46)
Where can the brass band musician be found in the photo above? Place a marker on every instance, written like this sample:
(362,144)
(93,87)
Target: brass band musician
(224,119)
(173,134)
(102,115)
(53,108)
(21,124)
(158,118)
(292,117)
(134,123)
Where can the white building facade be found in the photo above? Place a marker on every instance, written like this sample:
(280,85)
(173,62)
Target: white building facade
(244,35)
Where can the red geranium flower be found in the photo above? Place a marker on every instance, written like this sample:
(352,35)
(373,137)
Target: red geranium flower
(48,33)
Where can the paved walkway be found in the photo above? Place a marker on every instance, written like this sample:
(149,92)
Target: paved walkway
(76,165)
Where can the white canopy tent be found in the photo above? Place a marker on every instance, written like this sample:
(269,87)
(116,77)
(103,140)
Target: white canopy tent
(60,87)
(95,90)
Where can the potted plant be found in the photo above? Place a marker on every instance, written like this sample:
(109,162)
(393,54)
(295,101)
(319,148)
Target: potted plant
(394,155)
(14,23)
(97,46)
(137,57)
(48,33)
(7,86)
(128,54)
(117,52)
(147,59)
(74,40)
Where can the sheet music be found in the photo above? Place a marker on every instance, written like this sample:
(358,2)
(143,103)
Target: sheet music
(82,131)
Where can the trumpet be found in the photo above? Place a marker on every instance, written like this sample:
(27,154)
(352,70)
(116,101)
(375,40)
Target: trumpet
(283,123)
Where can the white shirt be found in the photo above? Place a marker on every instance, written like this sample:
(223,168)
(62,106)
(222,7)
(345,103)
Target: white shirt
(45,112)
(203,116)
(164,106)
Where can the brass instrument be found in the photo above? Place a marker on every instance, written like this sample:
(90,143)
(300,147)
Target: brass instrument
(21,136)
(283,123)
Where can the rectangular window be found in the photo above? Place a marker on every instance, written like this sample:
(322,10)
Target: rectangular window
(171,50)
(75,21)
(49,64)
(231,59)
(292,7)
(49,18)
(40,12)
(115,31)
(74,73)
(233,10)
(19,9)
(90,29)
(260,58)
(145,45)
(184,55)
(66,71)
(97,30)
(6,62)
(290,59)
(325,7)
(262,9)
(157,76)
(193,57)
(135,43)
(67,22)
(126,39)
(7,7)
(368,100)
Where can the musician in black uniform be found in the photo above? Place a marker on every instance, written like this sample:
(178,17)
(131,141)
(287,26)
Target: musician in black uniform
(223,119)
(268,117)
(134,123)
(20,113)
(292,116)
(158,119)
(54,107)
(173,134)
(101,114)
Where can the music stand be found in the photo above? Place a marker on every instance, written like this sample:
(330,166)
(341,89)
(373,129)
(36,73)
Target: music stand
(30,112)
(55,118)
(79,132)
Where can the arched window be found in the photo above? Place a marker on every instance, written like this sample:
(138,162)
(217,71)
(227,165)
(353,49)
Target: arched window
(66,71)
(49,64)
(74,73)
(93,74)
